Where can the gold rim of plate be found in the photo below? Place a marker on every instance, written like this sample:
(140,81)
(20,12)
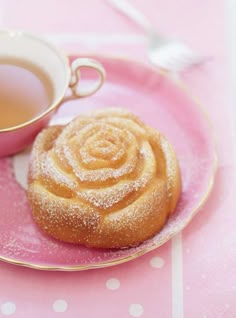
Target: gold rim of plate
(150,248)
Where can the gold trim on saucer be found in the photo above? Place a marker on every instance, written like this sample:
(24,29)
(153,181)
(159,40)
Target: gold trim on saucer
(200,106)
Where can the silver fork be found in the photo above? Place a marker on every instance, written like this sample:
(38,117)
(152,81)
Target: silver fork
(167,54)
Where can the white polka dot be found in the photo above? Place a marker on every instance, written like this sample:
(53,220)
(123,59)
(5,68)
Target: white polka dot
(8,308)
(157,262)
(136,310)
(113,284)
(59,305)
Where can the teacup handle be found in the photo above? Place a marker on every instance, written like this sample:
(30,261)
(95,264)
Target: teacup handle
(75,76)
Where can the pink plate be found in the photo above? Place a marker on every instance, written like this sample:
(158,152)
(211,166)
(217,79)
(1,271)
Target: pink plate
(160,103)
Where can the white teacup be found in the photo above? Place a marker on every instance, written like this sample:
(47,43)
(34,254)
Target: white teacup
(47,58)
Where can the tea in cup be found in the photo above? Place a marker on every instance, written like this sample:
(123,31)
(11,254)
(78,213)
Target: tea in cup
(34,77)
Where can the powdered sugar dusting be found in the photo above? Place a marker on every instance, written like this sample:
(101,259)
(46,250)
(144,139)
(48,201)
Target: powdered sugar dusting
(107,148)
(52,172)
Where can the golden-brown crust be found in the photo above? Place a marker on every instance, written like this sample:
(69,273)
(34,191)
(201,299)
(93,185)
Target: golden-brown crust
(104,180)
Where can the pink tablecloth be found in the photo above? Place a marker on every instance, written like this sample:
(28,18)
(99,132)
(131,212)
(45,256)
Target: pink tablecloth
(194,275)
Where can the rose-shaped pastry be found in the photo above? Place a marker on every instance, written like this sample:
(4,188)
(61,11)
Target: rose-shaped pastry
(104,180)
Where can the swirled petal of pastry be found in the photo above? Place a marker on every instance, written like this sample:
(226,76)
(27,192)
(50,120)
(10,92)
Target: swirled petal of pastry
(104,180)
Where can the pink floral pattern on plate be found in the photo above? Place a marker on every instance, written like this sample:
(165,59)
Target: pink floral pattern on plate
(160,103)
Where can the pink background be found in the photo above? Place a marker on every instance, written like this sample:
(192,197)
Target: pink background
(195,273)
